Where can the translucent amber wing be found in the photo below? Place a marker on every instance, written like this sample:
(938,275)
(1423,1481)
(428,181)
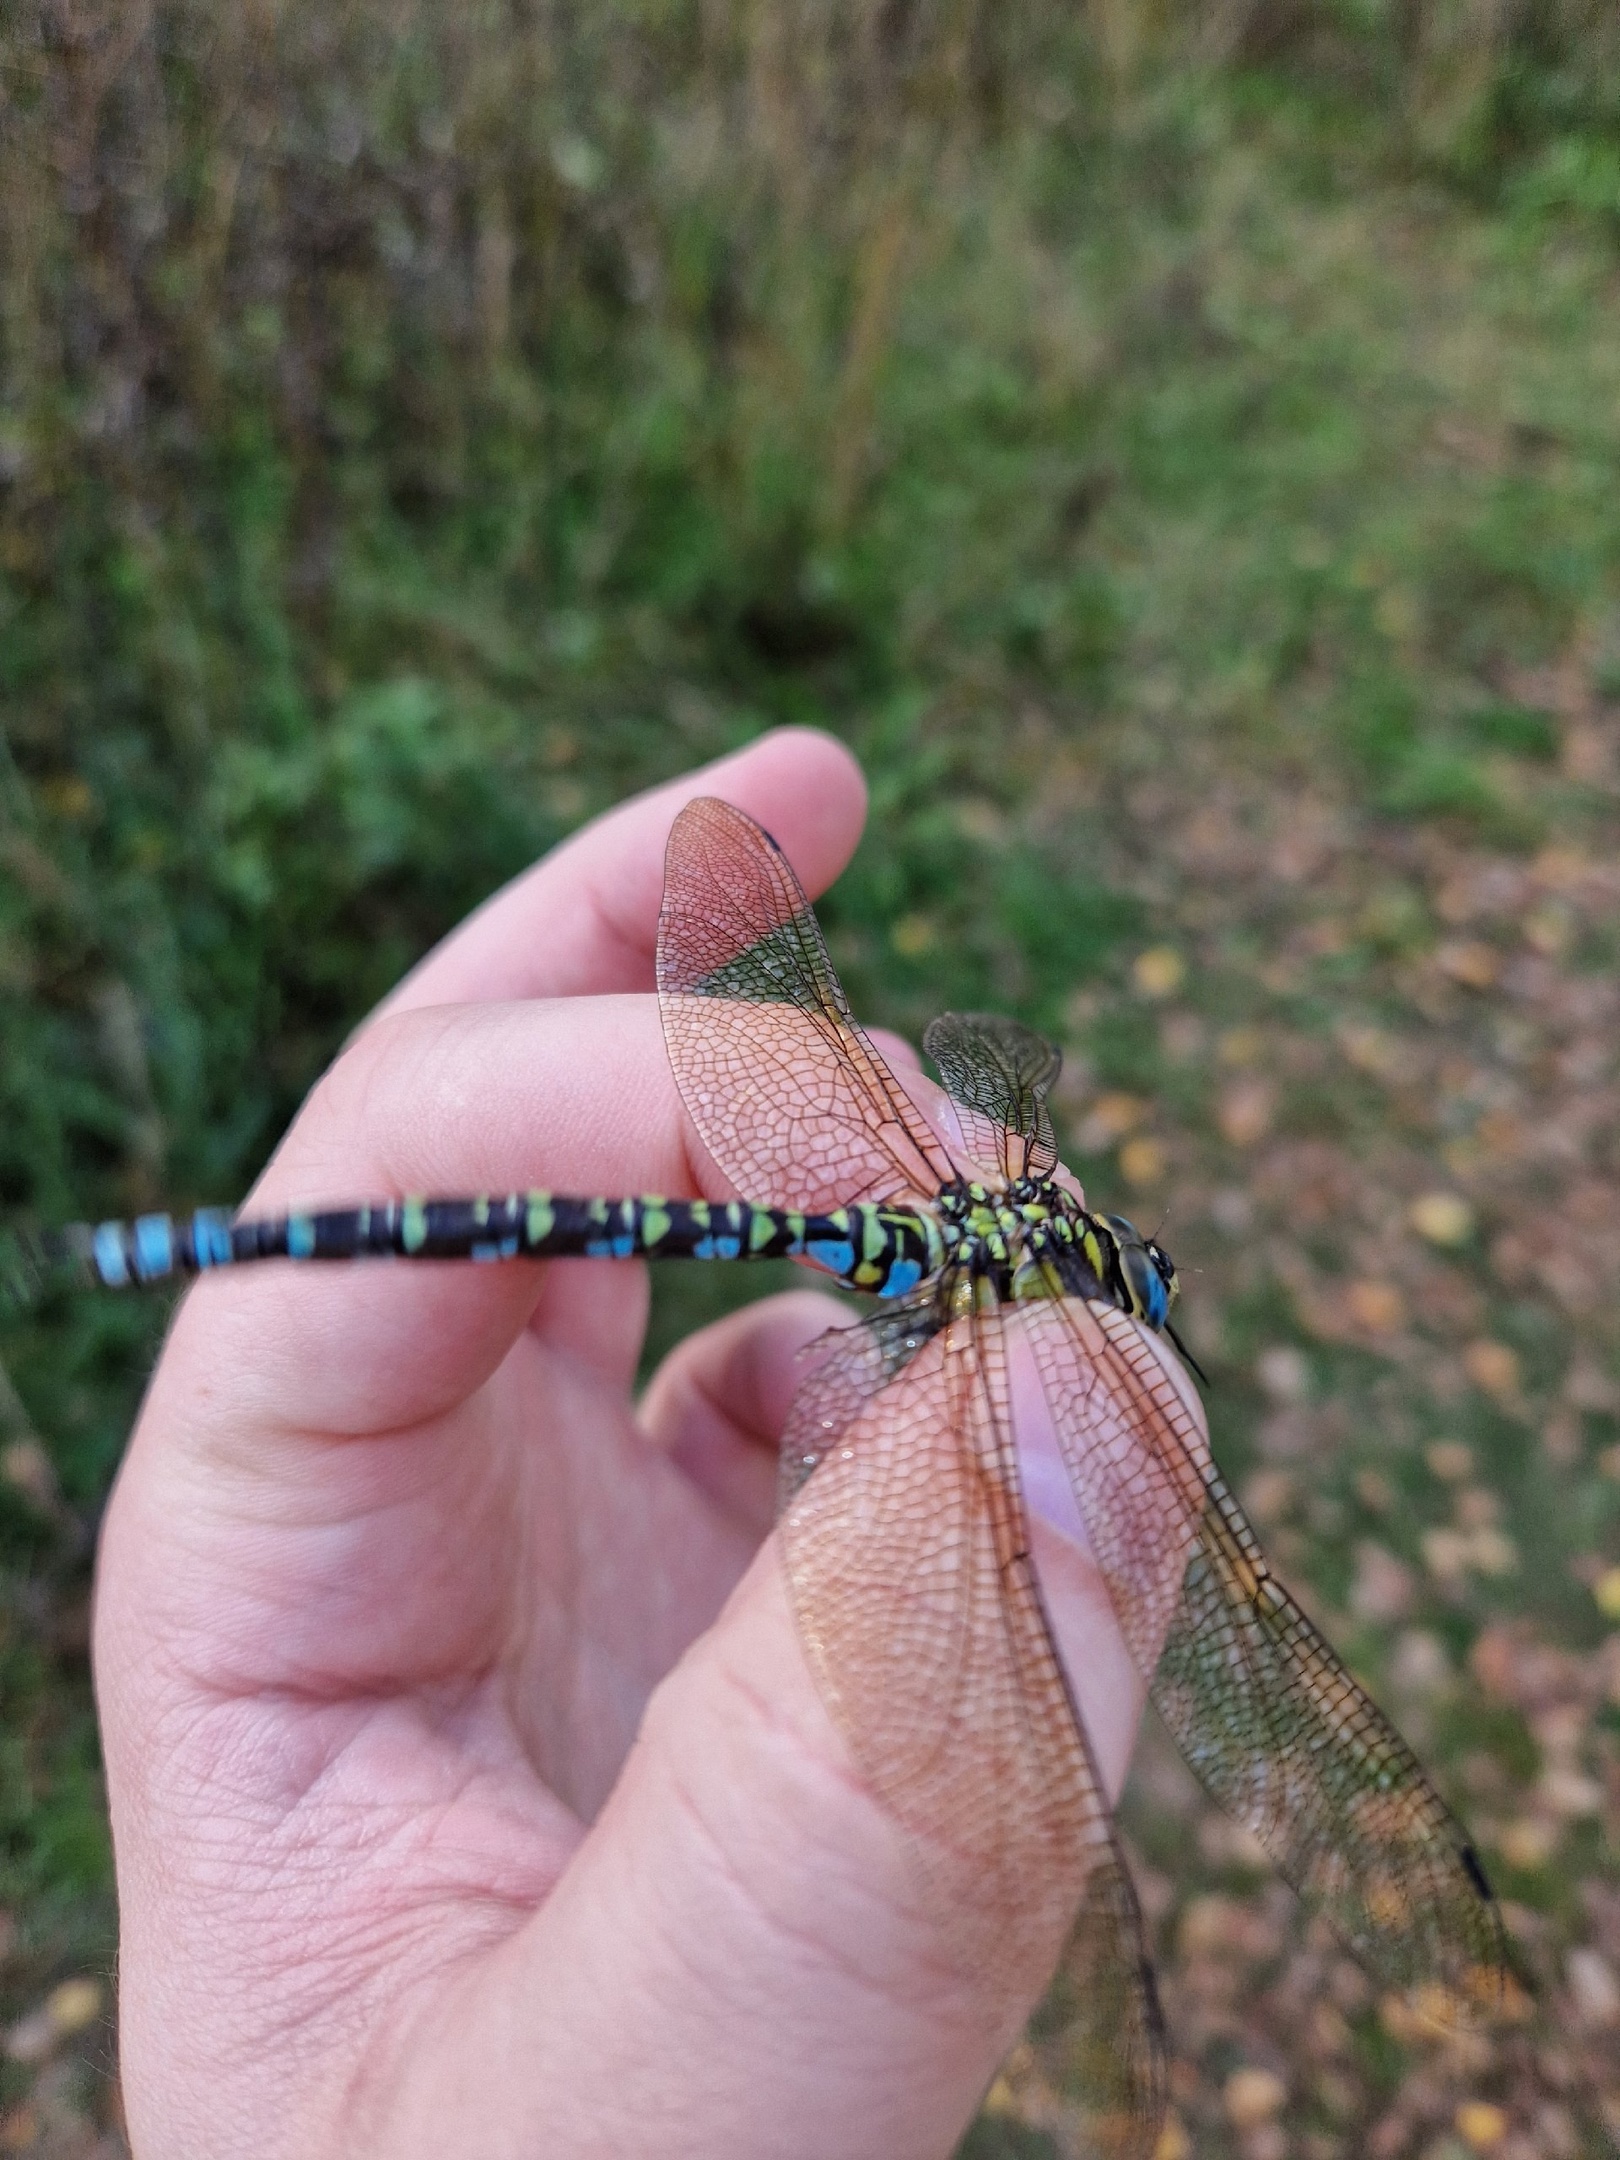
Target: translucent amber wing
(1310,1763)
(997,1072)
(787,1094)
(1265,1714)
(906,1547)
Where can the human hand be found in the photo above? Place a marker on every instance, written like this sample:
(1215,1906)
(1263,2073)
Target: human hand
(469,1788)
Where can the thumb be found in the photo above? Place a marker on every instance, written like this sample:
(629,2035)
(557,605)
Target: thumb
(736,1961)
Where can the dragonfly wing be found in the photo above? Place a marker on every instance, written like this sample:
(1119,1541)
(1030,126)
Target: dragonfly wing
(787,1094)
(1095,2072)
(907,1555)
(998,1072)
(1293,1747)
(1267,1717)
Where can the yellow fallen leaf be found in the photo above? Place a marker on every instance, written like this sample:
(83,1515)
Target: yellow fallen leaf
(1493,1368)
(1527,1843)
(1442,1218)
(1142,1161)
(1480,2125)
(1000,2099)
(1159,972)
(1252,2097)
(74,2005)
(1174,2143)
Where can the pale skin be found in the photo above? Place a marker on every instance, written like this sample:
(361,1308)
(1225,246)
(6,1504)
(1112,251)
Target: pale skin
(470,1791)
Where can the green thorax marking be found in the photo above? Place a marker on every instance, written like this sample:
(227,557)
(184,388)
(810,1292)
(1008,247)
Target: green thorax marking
(1032,1239)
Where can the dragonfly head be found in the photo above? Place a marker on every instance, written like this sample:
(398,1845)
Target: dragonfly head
(1148,1272)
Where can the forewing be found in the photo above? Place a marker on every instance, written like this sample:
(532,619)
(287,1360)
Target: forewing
(997,1072)
(1266,1716)
(907,1556)
(788,1095)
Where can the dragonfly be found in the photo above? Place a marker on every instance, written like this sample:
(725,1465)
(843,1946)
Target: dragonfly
(904,1526)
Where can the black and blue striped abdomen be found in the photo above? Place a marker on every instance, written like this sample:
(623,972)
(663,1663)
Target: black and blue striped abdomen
(886,1251)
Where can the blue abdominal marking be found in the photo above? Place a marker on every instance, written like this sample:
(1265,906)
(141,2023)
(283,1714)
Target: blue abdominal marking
(838,1258)
(300,1237)
(211,1237)
(903,1275)
(154,1245)
(111,1265)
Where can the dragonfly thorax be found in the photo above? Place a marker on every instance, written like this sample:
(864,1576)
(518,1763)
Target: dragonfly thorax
(1033,1239)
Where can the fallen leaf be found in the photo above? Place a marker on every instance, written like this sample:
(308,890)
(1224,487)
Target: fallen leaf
(1469,962)
(1376,1306)
(1452,1460)
(1592,1986)
(1527,1842)
(1111,1116)
(27,1468)
(913,935)
(1481,2125)
(1240,1046)
(1442,1218)
(1446,1554)
(19,2129)
(1383,1588)
(1159,972)
(1569,1794)
(1550,930)
(1142,1161)
(1174,2143)
(1252,2096)
(1284,1373)
(1492,1552)
(1420,1667)
(74,2005)
(1372,1050)
(1493,1368)
(1269,1495)
(1245,1111)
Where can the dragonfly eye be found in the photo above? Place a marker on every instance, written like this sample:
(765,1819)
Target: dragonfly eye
(1124,1229)
(1150,1295)
(1166,1267)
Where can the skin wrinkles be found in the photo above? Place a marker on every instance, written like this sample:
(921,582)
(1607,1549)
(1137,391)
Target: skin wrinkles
(801,1767)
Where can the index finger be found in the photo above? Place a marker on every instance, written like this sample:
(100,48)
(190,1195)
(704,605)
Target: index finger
(584,920)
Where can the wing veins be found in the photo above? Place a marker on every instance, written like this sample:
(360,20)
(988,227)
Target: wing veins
(1276,1673)
(736,929)
(984,1717)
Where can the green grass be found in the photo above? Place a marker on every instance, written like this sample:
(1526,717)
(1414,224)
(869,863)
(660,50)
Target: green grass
(1186,476)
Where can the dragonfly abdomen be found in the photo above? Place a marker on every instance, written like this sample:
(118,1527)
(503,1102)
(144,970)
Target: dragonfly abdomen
(885,1251)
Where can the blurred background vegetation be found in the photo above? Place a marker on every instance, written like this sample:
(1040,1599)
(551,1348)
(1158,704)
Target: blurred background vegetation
(1176,445)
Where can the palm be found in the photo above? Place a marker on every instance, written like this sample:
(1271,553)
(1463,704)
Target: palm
(510,1601)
